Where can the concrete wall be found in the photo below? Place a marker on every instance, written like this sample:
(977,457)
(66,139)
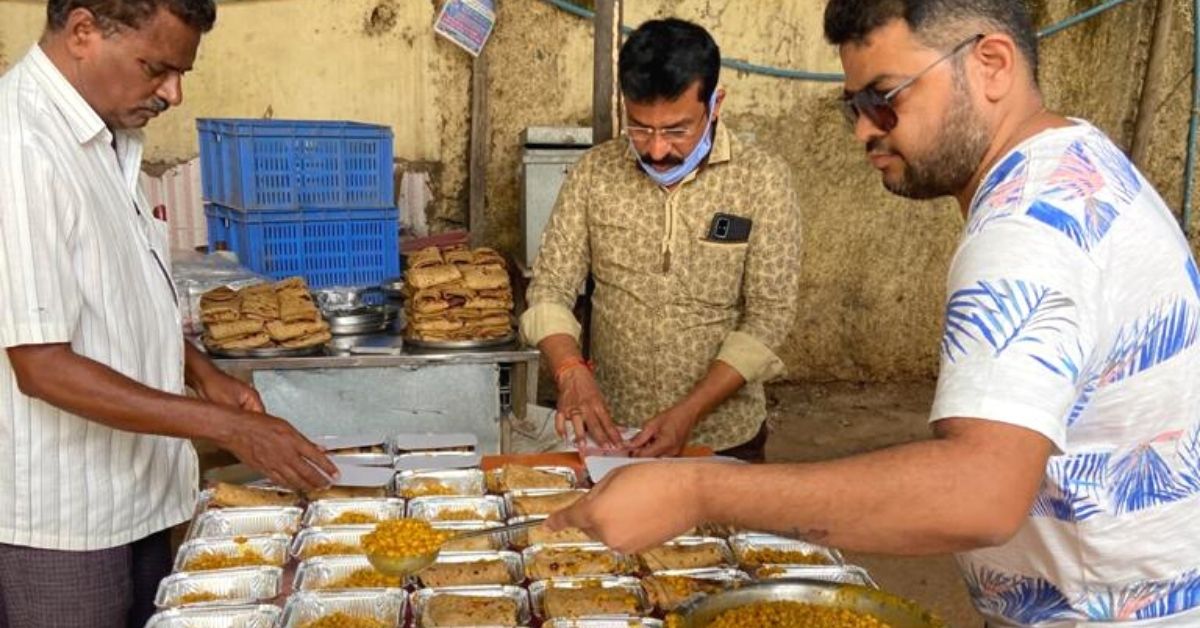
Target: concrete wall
(874,265)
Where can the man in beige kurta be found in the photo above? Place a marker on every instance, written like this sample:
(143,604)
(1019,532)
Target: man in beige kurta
(686,324)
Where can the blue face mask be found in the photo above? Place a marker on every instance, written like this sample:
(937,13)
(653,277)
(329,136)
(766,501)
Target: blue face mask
(693,160)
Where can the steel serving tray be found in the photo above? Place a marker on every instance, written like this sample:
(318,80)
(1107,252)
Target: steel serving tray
(895,611)
(483,343)
(266,352)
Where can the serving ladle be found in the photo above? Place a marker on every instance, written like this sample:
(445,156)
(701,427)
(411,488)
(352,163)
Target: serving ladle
(409,565)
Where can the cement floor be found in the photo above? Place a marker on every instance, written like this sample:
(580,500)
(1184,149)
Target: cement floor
(820,421)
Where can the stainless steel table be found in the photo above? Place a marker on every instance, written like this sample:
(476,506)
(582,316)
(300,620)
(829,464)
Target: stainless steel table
(476,391)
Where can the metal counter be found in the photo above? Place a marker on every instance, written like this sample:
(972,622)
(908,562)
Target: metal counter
(476,391)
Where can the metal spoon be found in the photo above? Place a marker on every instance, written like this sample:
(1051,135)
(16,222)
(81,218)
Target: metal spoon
(409,565)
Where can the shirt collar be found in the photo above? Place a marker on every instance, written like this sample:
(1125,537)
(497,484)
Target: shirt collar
(85,123)
(722,150)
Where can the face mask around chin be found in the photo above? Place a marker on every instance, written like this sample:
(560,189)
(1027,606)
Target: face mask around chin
(692,161)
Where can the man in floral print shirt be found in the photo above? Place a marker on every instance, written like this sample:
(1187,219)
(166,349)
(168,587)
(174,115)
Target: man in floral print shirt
(689,309)
(1065,468)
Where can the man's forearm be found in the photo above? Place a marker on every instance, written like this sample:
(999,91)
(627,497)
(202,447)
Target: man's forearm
(927,497)
(718,384)
(196,365)
(64,379)
(558,349)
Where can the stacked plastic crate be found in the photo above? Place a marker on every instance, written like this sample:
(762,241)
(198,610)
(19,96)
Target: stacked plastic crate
(310,198)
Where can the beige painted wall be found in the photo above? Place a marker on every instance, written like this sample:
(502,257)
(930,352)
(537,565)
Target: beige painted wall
(299,59)
(874,265)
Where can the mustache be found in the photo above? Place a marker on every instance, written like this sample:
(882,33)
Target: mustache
(669,160)
(876,146)
(157,105)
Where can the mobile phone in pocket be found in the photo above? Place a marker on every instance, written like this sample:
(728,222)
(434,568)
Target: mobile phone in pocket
(729,228)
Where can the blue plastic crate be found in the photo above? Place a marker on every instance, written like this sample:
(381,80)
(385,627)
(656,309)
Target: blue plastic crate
(290,164)
(326,246)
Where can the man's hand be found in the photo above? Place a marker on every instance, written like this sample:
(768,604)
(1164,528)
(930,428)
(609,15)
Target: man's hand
(639,506)
(231,417)
(665,434)
(581,402)
(229,391)
(276,449)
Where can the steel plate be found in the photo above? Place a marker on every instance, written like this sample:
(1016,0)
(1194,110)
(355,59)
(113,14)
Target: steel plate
(896,612)
(461,344)
(267,352)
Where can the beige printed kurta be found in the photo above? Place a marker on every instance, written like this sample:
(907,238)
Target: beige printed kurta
(668,301)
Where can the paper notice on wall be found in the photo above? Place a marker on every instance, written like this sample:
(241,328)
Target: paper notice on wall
(467,23)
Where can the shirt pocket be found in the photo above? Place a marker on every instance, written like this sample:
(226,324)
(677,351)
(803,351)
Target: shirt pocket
(713,272)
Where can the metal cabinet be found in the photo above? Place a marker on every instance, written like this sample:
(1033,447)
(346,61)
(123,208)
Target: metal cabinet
(548,154)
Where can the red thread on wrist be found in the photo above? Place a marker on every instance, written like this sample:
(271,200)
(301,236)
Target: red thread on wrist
(567,365)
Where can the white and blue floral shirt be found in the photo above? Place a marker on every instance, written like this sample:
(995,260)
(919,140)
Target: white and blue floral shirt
(1074,311)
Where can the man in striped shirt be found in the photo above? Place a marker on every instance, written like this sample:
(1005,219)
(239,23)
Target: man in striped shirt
(95,465)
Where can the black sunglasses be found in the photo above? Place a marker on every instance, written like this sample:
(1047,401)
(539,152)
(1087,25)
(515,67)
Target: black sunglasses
(877,106)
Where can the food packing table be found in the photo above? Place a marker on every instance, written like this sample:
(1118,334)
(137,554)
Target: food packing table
(314,568)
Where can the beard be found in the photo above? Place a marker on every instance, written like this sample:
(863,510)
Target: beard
(956,152)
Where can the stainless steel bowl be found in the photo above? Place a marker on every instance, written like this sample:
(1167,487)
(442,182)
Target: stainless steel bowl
(895,611)
(361,320)
(393,287)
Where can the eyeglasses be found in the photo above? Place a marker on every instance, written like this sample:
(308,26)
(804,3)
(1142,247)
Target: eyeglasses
(877,106)
(673,135)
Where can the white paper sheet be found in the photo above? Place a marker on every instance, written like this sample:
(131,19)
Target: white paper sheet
(600,466)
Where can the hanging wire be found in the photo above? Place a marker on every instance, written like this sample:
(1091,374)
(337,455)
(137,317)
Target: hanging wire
(833,77)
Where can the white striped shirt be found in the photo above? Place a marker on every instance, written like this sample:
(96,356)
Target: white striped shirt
(82,261)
